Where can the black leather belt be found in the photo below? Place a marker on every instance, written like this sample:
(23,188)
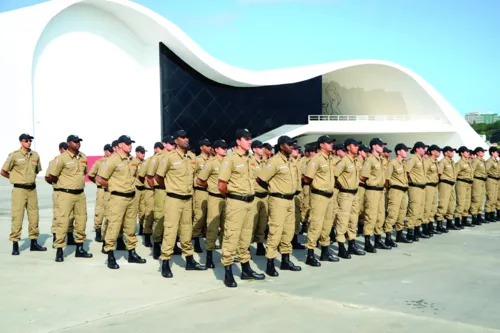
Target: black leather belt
(261,195)
(495,178)
(217,195)
(247,198)
(282,196)
(323,193)
(158,187)
(26,187)
(99,186)
(401,188)
(346,190)
(481,178)
(468,181)
(65,190)
(297,192)
(417,185)
(374,188)
(179,196)
(432,184)
(123,194)
(363,185)
(449,182)
(140,188)
(199,188)
(106,189)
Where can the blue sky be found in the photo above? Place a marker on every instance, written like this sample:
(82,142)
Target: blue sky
(453,44)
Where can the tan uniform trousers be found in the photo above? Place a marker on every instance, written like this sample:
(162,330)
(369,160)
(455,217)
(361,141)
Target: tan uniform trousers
(353,218)
(305,203)
(361,196)
(297,204)
(478,196)
(238,224)
(260,215)
(159,217)
(335,205)
(141,205)
(122,214)
(374,212)
(54,215)
(463,193)
(24,199)
(281,226)
(200,212)
(343,222)
(498,197)
(99,208)
(430,204)
(179,218)
(321,221)
(149,203)
(491,195)
(416,206)
(402,211)
(67,203)
(395,199)
(104,225)
(446,206)
(215,221)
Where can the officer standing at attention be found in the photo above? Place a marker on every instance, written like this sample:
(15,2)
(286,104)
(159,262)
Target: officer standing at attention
(279,178)
(432,179)
(338,153)
(68,173)
(260,202)
(200,195)
(138,164)
(268,151)
(465,175)
(305,208)
(478,187)
(363,152)
(491,185)
(446,190)
(99,201)
(236,182)
(21,169)
(175,174)
(320,175)
(208,178)
(416,191)
(296,163)
(118,176)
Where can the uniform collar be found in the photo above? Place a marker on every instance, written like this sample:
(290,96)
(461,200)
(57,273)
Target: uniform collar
(25,152)
(283,157)
(324,155)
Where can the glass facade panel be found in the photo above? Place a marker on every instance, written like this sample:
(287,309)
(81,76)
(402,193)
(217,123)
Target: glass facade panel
(203,107)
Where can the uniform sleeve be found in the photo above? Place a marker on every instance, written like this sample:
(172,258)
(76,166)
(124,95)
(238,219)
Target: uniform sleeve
(269,170)
(410,164)
(206,171)
(106,169)
(366,169)
(144,170)
(488,165)
(389,170)
(339,168)
(152,166)
(48,168)
(311,169)
(440,168)
(94,168)
(39,165)
(458,167)
(9,163)
(57,167)
(226,170)
(474,164)
(163,167)
(85,164)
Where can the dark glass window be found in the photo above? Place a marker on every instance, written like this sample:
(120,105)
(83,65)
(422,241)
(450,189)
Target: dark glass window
(203,107)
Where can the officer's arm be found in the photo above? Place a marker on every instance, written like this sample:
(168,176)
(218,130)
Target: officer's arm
(7,166)
(151,182)
(102,181)
(222,185)
(5,174)
(201,183)
(262,183)
(160,180)
(307,180)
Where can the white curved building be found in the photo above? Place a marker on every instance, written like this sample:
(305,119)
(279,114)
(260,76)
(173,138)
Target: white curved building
(102,68)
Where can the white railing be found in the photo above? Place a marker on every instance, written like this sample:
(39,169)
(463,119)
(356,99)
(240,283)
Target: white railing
(313,118)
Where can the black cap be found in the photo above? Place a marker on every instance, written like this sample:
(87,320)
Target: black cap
(257,144)
(267,146)
(179,134)
(125,139)
(434,147)
(325,138)
(158,145)
(377,141)
(25,136)
(219,144)
(108,147)
(348,142)
(114,143)
(285,140)
(448,148)
(338,146)
(63,145)
(140,149)
(492,149)
(419,144)
(462,149)
(204,142)
(296,145)
(243,133)
(401,146)
(478,149)
(310,148)
(168,139)
(387,150)
(364,148)
(73,138)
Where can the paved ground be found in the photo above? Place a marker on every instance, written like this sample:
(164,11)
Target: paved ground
(446,284)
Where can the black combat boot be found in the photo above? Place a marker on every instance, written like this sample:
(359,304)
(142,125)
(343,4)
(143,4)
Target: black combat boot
(360,229)
(327,256)
(429,229)
(147,241)
(210,261)
(102,248)
(197,245)
(156,250)
(400,237)
(120,244)
(353,249)
(421,234)
(343,253)
(379,244)
(368,245)
(480,219)
(467,223)
(228,277)
(498,215)
(286,264)
(270,269)
(36,247)
(193,265)
(303,229)
(463,222)
(177,249)
(311,259)
(296,245)
(441,228)
(98,235)
(133,257)
(247,273)
(332,235)
(389,241)
(411,234)
(261,250)
(15,248)
(70,239)
(59,255)
(492,217)
(112,260)
(80,252)
(450,225)
(165,269)
(432,230)
(141,229)
(489,217)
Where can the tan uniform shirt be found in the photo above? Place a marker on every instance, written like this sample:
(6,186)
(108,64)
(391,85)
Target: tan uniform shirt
(47,173)
(279,174)
(178,171)
(143,171)
(415,168)
(446,170)
(321,170)
(479,167)
(23,167)
(70,169)
(492,168)
(119,173)
(464,169)
(154,163)
(201,161)
(210,174)
(347,173)
(431,170)
(95,167)
(297,170)
(257,166)
(396,173)
(373,170)
(135,165)
(237,172)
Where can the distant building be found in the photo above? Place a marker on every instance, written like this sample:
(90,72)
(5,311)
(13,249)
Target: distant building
(481,117)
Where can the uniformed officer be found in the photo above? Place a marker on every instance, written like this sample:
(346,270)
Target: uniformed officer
(260,202)
(208,178)
(338,152)
(305,208)
(347,180)
(478,190)
(363,152)
(117,174)
(432,179)
(492,170)
(99,201)
(296,162)
(175,174)
(465,176)
(446,190)
(279,178)
(200,195)
(140,190)
(268,151)
(320,176)
(21,169)
(416,191)
(236,182)
(68,173)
